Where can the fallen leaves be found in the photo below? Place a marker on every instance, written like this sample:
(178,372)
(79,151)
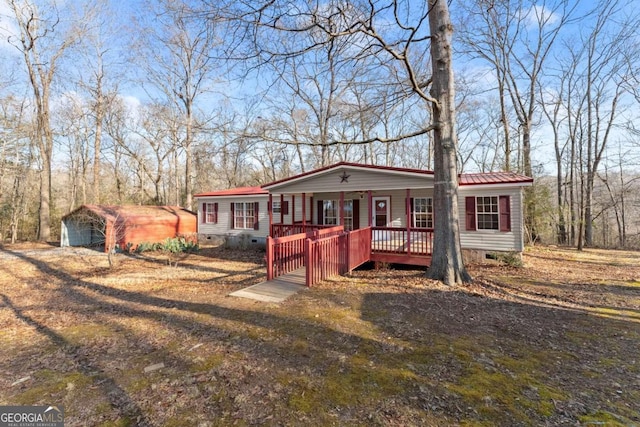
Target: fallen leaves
(553,342)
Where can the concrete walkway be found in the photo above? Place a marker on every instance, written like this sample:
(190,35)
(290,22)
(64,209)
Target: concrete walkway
(276,290)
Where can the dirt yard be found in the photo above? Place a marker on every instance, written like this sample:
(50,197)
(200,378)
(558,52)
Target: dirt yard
(556,342)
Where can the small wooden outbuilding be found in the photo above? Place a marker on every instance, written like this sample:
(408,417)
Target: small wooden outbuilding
(124,226)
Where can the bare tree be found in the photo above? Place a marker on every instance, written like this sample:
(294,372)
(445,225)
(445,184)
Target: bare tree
(516,38)
(394,34)
(178,60)
(42,48)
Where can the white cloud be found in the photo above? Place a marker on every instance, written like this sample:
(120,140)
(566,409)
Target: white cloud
(538,16)
(8,28)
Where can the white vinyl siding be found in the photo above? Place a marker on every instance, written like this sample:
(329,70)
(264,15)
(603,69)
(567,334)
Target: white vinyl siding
(223,226)
(293,204)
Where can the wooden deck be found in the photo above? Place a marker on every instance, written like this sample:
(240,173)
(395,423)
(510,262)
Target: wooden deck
(275,290)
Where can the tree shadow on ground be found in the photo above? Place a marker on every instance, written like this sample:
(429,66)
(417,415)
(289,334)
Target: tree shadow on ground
(411,365)
(515,362)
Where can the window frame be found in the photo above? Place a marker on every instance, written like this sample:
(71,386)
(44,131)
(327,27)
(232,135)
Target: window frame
(241,213)
(494,213)
(348,213)
(428,213)
(210,212)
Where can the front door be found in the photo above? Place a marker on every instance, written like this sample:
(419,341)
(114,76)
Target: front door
(381,211)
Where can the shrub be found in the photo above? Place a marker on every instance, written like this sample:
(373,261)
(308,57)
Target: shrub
(146,247)
(177,248)
(512,259)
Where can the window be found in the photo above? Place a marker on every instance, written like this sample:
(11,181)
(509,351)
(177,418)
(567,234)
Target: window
(331,213)
(210,213)
(244,215)
(279,207)
(487,213)
(423,212)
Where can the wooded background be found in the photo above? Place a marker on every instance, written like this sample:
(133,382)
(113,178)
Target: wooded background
(150,103)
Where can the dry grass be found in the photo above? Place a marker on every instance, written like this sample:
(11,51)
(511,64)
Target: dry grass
(551,343)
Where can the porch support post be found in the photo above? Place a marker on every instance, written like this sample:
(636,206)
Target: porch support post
(408,210)
(270,214)
(342,209)
(281,209)
(304,210)
(370,206)
(293,209)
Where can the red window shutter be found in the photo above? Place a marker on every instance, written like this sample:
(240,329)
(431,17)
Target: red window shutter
(256,222)
(233,215)
(285,207)
(505,213)
(356,213)
(320,212)
(204,213)
(470,205)
(215,213)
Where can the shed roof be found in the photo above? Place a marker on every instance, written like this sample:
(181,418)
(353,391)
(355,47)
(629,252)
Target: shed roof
(112,212)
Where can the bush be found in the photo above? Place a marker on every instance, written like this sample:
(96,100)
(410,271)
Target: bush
(177,248)
(146,247)
(512,259)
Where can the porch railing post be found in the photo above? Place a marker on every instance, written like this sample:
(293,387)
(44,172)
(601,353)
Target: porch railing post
(346,268)
(308,262)
(269,258)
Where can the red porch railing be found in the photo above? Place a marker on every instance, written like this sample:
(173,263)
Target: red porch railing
(418,241)
(281,230)
(286,254)
(331,251)
(358,247)
(325,258)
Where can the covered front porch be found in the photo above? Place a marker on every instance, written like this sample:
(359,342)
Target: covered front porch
(334,219)
(297,239)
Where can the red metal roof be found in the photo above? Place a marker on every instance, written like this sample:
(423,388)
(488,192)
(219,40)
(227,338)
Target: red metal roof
(478,178)
(493,178)
(130,211)
(240,191)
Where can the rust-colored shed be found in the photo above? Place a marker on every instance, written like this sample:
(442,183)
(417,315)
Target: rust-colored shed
(127,226)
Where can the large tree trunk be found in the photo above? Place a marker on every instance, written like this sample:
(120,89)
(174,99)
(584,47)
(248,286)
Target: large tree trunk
(447,264)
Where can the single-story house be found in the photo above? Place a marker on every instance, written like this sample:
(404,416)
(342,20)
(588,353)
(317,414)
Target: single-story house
(395,204)
(125,226)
